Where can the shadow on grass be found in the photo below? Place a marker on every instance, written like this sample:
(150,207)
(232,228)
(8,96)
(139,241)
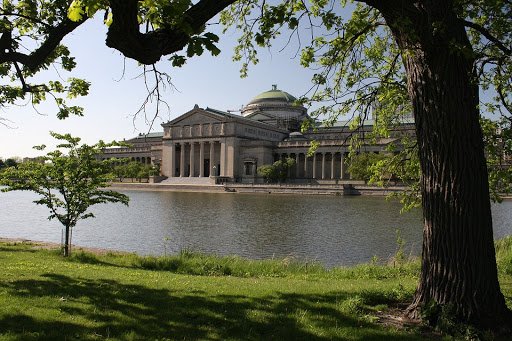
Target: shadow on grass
(89,258)
(18,248)
(102,308)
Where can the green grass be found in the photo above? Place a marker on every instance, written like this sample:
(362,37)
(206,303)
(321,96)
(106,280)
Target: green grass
(504,255)
(192,296)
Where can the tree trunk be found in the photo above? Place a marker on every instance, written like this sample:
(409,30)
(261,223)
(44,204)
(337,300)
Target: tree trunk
(66,241)
(458,273)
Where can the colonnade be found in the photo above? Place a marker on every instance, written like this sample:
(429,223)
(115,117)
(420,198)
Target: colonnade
(320,166)
(143,160)
(205,158)
(197,158)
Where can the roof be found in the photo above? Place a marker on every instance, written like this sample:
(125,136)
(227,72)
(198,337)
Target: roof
(221,113)
(274,95)
(241,118)
(367,122)
(223,116)
(149,135)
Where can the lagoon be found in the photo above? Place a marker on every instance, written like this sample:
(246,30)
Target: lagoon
(334,230)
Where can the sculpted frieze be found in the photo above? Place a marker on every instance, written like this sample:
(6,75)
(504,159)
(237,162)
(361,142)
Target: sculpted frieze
(216,129)
(196,131)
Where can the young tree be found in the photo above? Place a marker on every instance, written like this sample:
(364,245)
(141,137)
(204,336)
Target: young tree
(419,56)
(278,171)
(68,183)
(11,162)
(133,169)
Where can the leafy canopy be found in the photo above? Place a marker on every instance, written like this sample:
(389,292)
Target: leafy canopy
(31,32)
(68,180)
(359,71)
(278,171)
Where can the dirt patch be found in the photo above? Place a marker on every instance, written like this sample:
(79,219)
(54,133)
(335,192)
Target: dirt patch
(50,246)
(393,317)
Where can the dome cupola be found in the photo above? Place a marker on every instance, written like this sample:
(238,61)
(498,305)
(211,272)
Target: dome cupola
(276,107)
(274,95)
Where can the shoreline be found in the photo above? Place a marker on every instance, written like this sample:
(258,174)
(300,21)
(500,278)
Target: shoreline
(39,244)
(354,188)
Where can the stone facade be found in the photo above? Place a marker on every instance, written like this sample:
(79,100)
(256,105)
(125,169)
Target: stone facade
(208,143)
(146,149)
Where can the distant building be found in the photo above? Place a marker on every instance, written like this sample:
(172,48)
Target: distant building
(143,148)
(205,143)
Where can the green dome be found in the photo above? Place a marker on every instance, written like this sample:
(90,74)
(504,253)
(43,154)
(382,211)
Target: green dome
(273,95)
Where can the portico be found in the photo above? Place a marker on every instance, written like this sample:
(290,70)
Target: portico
(208,143)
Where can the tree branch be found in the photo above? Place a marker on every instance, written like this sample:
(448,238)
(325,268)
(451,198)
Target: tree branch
(34,60)
(147,48)
(488,35)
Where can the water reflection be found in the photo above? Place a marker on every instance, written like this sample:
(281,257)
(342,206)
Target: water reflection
(333,230)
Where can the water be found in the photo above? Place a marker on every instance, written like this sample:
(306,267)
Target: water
(329,229)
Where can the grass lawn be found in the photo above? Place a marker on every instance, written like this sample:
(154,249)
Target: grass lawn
(126,297)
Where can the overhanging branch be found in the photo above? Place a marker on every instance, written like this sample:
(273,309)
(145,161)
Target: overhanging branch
(147,48)
(489,36)
(35,59)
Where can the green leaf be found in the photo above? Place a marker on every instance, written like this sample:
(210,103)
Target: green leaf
(76,10)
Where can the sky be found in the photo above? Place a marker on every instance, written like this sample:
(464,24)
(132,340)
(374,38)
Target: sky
(114,97)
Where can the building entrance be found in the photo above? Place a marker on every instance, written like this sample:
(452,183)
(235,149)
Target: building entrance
(206,168)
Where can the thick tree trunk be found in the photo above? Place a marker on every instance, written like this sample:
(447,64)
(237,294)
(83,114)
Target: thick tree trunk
(458,259)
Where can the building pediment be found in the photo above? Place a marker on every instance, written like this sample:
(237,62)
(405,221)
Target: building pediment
(195,116)
(260,116)
(198,123)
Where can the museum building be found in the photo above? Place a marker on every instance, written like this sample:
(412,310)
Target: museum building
(209,143)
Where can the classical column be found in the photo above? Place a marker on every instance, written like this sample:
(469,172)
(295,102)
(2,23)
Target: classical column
(182,160)
(342,164)
(332,164)
(212,155)
(297,168)
(306,165)
(232,158)
(201,158)
(192,150)
(314,166)
(172,161)
(323,166)
(222,158)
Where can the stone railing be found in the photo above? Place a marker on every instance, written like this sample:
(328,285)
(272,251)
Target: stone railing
(126,150)
(306,144)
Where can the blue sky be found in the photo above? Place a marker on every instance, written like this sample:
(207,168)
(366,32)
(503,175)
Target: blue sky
(113,99)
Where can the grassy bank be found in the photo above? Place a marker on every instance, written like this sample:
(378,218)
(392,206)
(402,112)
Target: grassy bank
(191,296)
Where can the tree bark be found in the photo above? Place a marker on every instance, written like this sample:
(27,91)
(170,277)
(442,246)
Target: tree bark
(66,241)
(458,273)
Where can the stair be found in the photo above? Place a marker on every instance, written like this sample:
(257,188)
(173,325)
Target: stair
(189,181)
